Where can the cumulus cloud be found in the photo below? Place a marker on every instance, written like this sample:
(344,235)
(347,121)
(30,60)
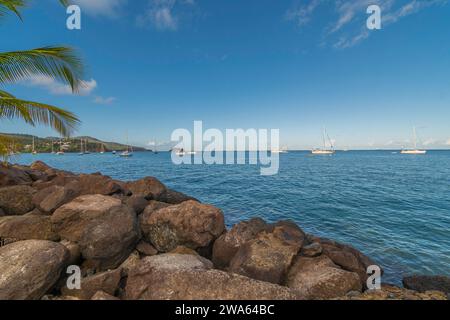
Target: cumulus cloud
(161,14)
(58,88)
(349,26)
(448,142)
(108,8)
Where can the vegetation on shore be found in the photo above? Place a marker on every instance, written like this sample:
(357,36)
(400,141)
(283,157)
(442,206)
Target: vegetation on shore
(23,143)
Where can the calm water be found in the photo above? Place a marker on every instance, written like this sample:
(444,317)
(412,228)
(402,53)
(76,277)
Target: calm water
(394,208)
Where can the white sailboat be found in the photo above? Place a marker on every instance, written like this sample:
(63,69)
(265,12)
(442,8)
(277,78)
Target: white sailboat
(282,150)
(414,150)
(81,148)
(34,152)
(86,151)
(127,153)
(325,151)
(61,151)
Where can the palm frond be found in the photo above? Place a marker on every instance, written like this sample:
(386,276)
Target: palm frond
(5,147)
(7,6)
(61,63)
(64,122)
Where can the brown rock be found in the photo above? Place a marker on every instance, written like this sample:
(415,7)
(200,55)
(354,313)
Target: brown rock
(187,277)
(27,227)
(11,176)
(98,184)
(146,249)
(102,295)
(312,250)
(16,200)
(427,283)
(29,269)
(175,197)
(190,223)
(348,258)
(389,292)
(226,246)
(58,196)
(105,229)
(269,255)
(184,250)
(74,252)
(137,203)
(131,262)
(39,166)
(106,281)
(320,278)
(149,187)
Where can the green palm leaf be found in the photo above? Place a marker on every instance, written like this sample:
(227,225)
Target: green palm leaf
(15,5)
(60,63)
(64,122)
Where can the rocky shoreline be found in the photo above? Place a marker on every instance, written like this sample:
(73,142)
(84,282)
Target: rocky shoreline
(142,240)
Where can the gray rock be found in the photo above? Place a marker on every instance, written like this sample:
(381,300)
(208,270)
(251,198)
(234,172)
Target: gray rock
(190,223)
(427,283)
(29,269)
(105,229)
(27,227)
(16,200)
(189,277)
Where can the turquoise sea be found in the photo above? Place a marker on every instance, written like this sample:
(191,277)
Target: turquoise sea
(395,208)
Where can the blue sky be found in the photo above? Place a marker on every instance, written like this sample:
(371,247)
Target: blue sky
(157,65)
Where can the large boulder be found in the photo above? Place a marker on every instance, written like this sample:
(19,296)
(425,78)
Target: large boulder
(107,282)
(269,256)
(149,187)
(99,184)
(105,229)
(29,269)
(10,176)
(56,196)
(16,200)
(226,246)
(427,283)
(137,203)
(175,197)
(27,227)
(39,166)
(348,258)
(189,277)
(190,223)
(320,278)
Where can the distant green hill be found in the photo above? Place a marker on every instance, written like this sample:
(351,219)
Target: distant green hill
(23,143)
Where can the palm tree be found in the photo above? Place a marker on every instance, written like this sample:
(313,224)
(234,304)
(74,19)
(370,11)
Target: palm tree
(59,63)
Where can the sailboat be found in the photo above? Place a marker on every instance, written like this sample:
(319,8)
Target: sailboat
(102,149)
(86,151)
(415,150)
(33,151)
(81,148)
(60,152)
(128,152)
(325,151)
(282,150)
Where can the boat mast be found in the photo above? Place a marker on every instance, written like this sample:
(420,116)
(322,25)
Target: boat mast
(323,137)
(33,145)
(415,138)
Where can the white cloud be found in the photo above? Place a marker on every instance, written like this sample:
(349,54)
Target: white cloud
(103,100)
(161,14)
(59,88)
(448,142)
(302,15)
(108,8)
(352,13)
